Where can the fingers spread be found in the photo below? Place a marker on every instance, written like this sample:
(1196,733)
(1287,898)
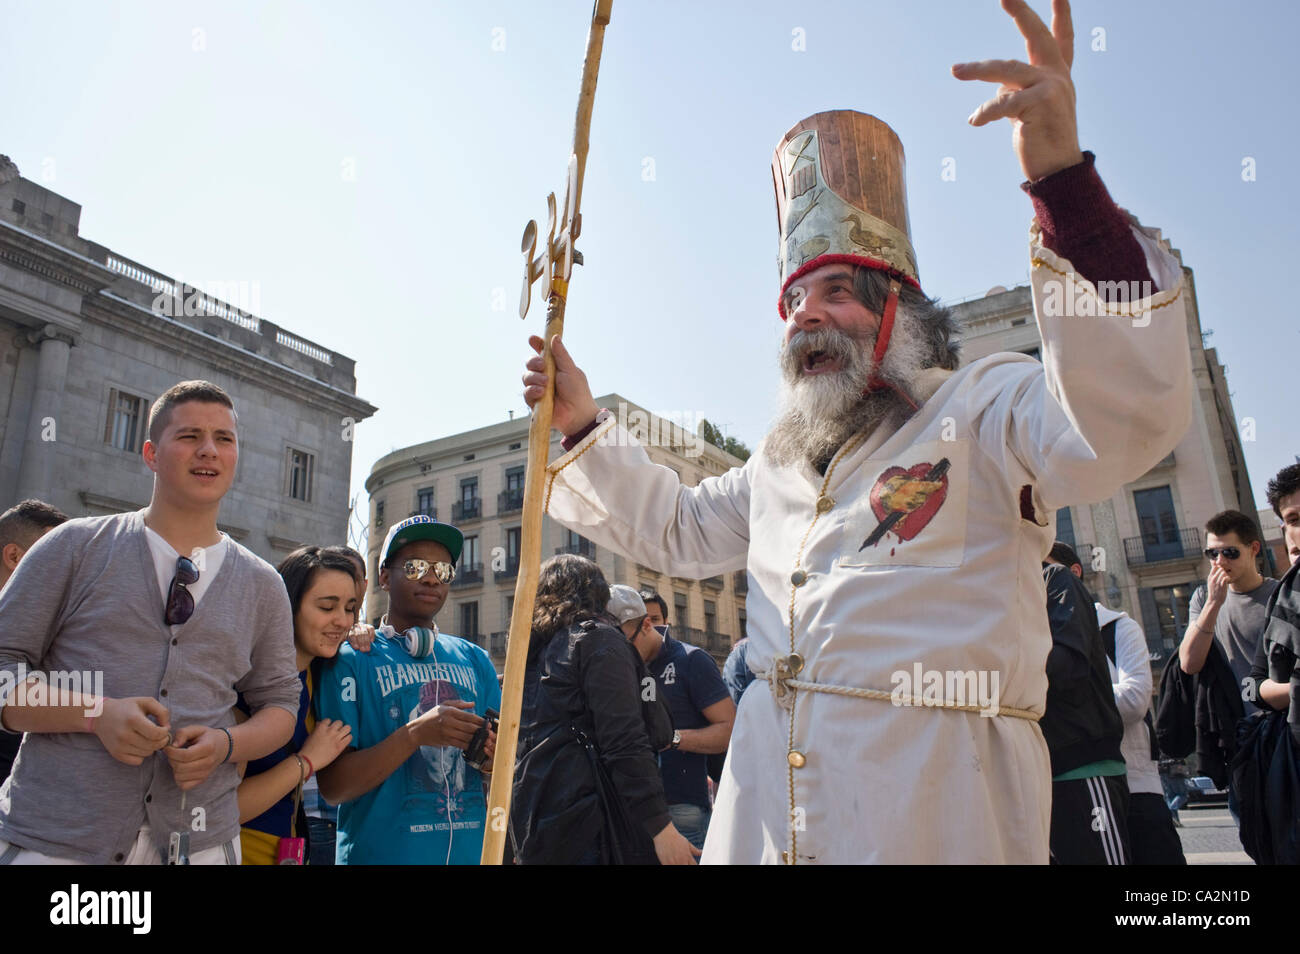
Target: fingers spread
(998,107)
(1063,30)
(1039,42)
(1008,104)
(1009,72)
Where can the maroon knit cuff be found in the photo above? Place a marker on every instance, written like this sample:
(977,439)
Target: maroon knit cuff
(1081,222)
(573,440)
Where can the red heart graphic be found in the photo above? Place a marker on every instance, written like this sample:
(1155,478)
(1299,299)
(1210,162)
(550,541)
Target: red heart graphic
(899,490)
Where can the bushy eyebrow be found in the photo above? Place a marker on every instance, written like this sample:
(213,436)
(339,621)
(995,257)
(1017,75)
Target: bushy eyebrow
(837,277)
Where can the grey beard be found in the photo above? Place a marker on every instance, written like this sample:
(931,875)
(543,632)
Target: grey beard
(798,437)
(819,413)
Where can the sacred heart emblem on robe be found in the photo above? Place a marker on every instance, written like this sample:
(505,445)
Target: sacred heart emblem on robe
(905,499)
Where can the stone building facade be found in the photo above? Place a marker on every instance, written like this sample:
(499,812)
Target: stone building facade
(475,481)
(89,339)
(1141,548)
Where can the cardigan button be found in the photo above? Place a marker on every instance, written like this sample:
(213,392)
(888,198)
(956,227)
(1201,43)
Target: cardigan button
(796,759)
(795,662)
(798,577)
(824,503)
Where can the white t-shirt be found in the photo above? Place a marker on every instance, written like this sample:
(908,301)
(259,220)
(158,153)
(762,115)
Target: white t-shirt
(207,559)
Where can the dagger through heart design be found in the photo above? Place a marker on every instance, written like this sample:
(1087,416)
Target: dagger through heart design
(907,499)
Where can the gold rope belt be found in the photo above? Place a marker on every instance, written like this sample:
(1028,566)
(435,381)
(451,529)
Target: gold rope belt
(781,678)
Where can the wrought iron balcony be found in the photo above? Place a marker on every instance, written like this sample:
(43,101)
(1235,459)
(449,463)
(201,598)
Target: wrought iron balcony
(510,501)
(464,510)
(468,574)
(704,639)
(1180,543)
(430,512)
(511,569)
(584,548)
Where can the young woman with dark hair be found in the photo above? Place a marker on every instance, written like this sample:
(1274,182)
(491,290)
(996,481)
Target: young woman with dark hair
(587,786)
(322,592)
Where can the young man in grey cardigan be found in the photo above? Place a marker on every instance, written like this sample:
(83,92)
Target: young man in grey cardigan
(123,642)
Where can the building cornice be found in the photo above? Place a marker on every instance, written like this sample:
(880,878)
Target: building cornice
(52,260)
(106,308)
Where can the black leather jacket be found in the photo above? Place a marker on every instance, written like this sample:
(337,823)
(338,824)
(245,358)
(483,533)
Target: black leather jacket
(590,677)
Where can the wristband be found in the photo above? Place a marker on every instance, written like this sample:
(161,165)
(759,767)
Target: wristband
(230,745)
(301,769)
(311,769)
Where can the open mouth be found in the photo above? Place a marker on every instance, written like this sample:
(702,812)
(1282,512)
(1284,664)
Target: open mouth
(819,362)
(203,472)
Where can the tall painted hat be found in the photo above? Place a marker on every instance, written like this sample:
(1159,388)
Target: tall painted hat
(841,198)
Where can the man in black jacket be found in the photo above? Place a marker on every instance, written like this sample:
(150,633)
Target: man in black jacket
(1082,727)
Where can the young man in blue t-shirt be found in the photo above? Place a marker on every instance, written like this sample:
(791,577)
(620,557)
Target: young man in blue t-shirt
(414,702)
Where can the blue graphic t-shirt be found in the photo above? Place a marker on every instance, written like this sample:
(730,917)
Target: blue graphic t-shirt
(431,810)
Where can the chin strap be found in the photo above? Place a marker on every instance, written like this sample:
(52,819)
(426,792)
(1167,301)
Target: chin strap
(876,382)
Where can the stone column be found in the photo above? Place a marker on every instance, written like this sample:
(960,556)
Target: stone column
(35,473)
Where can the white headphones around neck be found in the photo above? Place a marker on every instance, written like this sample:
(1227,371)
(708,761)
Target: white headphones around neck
(419,641)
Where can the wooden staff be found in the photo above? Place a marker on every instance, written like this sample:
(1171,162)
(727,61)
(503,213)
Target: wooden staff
(555,264)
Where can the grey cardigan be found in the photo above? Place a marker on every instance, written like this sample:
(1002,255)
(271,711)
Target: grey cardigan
(86,598)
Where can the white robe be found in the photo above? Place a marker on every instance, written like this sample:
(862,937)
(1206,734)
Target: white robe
(961,591)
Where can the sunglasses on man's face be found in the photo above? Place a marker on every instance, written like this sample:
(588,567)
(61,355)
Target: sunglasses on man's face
(180,602)
(417,570)
(1230,552)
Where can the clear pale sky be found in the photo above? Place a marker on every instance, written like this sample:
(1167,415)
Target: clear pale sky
(371,167)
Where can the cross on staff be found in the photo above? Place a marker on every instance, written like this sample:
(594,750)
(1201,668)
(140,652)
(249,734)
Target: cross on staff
(555,265)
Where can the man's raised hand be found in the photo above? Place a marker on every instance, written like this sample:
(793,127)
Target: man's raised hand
(1038,96)
(574,406)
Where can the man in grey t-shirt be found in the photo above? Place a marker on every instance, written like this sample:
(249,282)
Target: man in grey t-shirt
(1231,607)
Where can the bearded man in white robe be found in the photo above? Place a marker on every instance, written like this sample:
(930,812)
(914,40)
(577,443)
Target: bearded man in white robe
(894,520)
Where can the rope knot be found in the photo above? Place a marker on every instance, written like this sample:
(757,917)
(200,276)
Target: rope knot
(779,675)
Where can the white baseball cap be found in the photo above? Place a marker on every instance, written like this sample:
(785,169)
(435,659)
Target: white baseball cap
(625,603)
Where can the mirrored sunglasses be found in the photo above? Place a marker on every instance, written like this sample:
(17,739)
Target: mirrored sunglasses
(1230,552)
(418,569)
